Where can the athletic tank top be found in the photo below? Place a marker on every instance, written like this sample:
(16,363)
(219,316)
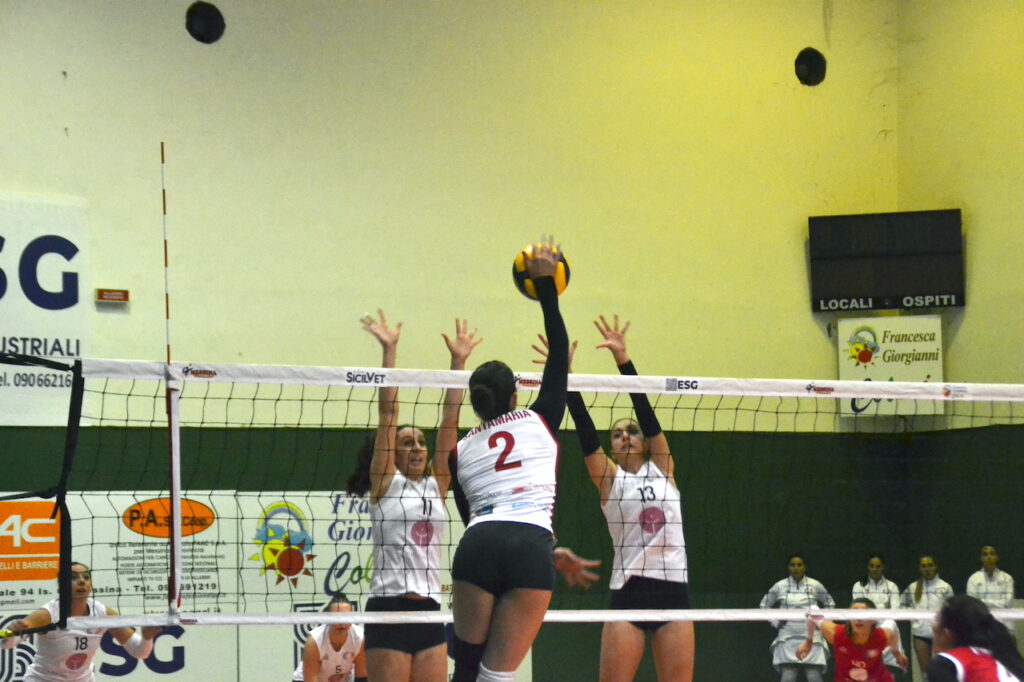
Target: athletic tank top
(860,662)
(645,522)
(335,665)
(506,468)
(66,655)
(974,664)
(408,531)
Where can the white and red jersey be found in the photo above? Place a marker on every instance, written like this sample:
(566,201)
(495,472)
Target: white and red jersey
(507,467)
(336,665)
(645,522)
(66,655)
(408,530)
(974,664)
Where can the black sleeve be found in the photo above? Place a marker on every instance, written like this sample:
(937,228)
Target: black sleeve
(645,416)
(461,503)
(586,432)
(941,669)
(550,402)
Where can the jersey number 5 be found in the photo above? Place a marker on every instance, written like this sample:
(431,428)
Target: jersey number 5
(509,443)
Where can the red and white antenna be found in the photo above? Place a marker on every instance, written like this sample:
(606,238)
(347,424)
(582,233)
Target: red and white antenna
(173,421)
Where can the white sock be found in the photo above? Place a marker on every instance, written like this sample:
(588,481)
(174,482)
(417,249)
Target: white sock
(486,675)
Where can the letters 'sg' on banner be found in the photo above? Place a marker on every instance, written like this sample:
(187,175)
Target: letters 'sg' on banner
(29,541)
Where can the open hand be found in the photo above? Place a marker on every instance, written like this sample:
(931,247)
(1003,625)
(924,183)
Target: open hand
(380,330)
(542,261)
(464,342)
(543,352)
(614,338)
(574,569)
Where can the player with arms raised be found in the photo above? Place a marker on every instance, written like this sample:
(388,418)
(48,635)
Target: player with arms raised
(503,475)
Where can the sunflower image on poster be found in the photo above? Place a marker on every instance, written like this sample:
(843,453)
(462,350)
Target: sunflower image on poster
(285,546)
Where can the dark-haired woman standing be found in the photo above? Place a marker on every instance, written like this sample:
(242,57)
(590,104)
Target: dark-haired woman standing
(927,593)
(885,594)
(972,645)
(407,491)
(504,477)
(797,592)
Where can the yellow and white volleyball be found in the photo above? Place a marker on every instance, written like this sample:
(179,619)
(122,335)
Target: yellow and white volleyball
(522,278)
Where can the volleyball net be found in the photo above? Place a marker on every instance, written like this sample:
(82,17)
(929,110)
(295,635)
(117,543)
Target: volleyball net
(216,494)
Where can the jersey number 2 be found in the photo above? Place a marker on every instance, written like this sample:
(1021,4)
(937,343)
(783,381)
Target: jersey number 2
(510,442)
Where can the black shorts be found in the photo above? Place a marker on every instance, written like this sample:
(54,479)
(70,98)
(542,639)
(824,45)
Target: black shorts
(650,594)
(410,638)
(498,556)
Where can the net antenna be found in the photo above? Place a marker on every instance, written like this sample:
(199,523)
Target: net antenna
(172,395)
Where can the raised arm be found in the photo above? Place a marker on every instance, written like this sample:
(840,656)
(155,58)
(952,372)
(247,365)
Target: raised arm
(600,466)
(657,444)
(382,466)
(550,402)
(460,349)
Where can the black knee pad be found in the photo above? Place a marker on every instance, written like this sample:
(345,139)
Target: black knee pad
(467,660)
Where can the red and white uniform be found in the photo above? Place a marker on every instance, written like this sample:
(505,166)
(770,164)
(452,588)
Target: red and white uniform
(974,664)
(66,655)
(336,665)
(507,468)
(860,662)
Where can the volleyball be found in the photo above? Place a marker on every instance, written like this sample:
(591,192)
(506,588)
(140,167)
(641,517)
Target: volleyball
(522,278)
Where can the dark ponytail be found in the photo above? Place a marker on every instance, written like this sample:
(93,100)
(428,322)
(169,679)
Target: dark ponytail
(359,479)
(490,389)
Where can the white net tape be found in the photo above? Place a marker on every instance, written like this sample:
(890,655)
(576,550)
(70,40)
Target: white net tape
(555,616)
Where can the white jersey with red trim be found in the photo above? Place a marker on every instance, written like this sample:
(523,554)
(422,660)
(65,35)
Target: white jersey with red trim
(645,522)
(974,664)
(66,655)
(336,665)
(507,467)
(408,530)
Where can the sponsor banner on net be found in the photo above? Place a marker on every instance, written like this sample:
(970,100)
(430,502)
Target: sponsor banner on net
(904,348)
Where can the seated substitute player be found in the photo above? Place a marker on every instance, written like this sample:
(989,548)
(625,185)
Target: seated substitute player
(333,653)
(797,592)
(643,511)
(407,491)
(857,646)
(972,646)
(991,585)
(67,655)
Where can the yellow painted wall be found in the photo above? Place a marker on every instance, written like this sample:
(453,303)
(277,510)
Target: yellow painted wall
(961,144)
(326,158)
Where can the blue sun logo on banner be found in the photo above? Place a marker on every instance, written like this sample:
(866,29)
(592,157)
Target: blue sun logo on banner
(863,346)
(285,547)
